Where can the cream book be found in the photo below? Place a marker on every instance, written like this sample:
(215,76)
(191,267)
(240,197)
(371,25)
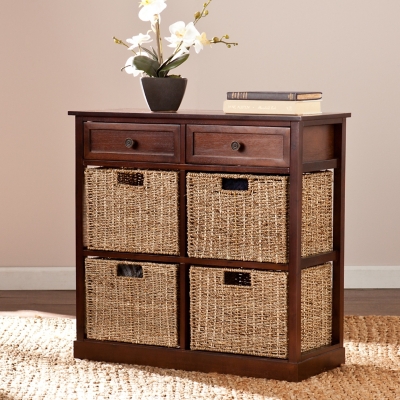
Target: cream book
(272,107)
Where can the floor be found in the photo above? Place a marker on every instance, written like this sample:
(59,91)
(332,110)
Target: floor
(46,303)
(56,303)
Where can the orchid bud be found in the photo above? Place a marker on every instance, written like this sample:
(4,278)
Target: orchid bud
(227,36)
(197,15)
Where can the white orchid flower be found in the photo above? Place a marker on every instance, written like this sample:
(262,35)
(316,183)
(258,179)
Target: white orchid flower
(130,68)
(151,8)
(181,33)
(200,41)
(138,40)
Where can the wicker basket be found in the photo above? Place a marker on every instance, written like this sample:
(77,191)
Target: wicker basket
(141,309)
(131,210)
(245,311)
(251,224)
(316,307)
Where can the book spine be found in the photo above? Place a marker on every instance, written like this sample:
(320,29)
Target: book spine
(261,96)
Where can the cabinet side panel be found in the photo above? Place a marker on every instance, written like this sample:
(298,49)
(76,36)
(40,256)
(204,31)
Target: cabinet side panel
(80,270)
(318,143)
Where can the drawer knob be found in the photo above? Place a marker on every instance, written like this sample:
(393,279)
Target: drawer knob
(129,143)
(236,146)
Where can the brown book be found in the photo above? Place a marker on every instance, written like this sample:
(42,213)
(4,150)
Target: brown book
(277,96)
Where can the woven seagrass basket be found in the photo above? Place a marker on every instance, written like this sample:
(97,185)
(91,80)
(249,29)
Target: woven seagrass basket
(131,210)
(132,302)
(245,311)
(245,217)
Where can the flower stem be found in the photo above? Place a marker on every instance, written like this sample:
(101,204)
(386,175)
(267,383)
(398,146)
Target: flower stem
(119,41)
(215,40)
(201,14)
(159,43)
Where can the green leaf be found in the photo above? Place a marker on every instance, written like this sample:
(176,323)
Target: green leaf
(173,64)
(153,56)
(146,64)
(154,52)
(162,74)
(169,59)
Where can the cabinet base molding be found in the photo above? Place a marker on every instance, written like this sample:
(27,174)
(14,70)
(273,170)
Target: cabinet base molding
(204,361)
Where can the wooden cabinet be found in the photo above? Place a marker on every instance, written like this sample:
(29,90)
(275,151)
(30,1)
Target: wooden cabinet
(211,242)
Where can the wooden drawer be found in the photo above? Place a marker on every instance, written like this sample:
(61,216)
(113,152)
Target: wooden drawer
(148,142)
(238,145)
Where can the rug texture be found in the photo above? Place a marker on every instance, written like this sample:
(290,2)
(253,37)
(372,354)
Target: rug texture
(36,362)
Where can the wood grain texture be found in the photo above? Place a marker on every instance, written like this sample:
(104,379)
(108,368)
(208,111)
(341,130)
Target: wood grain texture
(79,217)
(318,143)
(152,142)
(295,217)
(263,146)
(124,115)
(46,303)
(372,302)
(204,361)
(338,232)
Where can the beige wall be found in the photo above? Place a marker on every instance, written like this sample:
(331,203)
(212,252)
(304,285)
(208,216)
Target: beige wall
(59,55)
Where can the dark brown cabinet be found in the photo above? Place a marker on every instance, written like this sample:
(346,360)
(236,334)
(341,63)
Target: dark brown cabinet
(211,242)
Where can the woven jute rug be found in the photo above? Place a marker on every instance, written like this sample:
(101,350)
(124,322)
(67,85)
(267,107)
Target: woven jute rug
(36,362)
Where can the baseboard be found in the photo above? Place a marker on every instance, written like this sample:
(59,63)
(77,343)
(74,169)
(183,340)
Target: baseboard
(63,278)
(372,277)
(37,278)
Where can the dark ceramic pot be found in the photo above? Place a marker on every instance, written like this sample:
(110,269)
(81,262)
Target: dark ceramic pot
(164,94)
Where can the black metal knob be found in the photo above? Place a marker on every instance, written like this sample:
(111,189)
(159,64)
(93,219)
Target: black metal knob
(129,143)
(236,146)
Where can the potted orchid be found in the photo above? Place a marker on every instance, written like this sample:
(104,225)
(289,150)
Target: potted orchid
(149,62)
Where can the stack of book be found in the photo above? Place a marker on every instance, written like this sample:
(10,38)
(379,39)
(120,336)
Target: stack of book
(295,103)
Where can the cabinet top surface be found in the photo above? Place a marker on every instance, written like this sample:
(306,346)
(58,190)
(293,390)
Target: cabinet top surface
(200,114)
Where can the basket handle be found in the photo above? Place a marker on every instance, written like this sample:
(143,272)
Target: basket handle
(130,270)
(235,184)
(237,278)
(129,178)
